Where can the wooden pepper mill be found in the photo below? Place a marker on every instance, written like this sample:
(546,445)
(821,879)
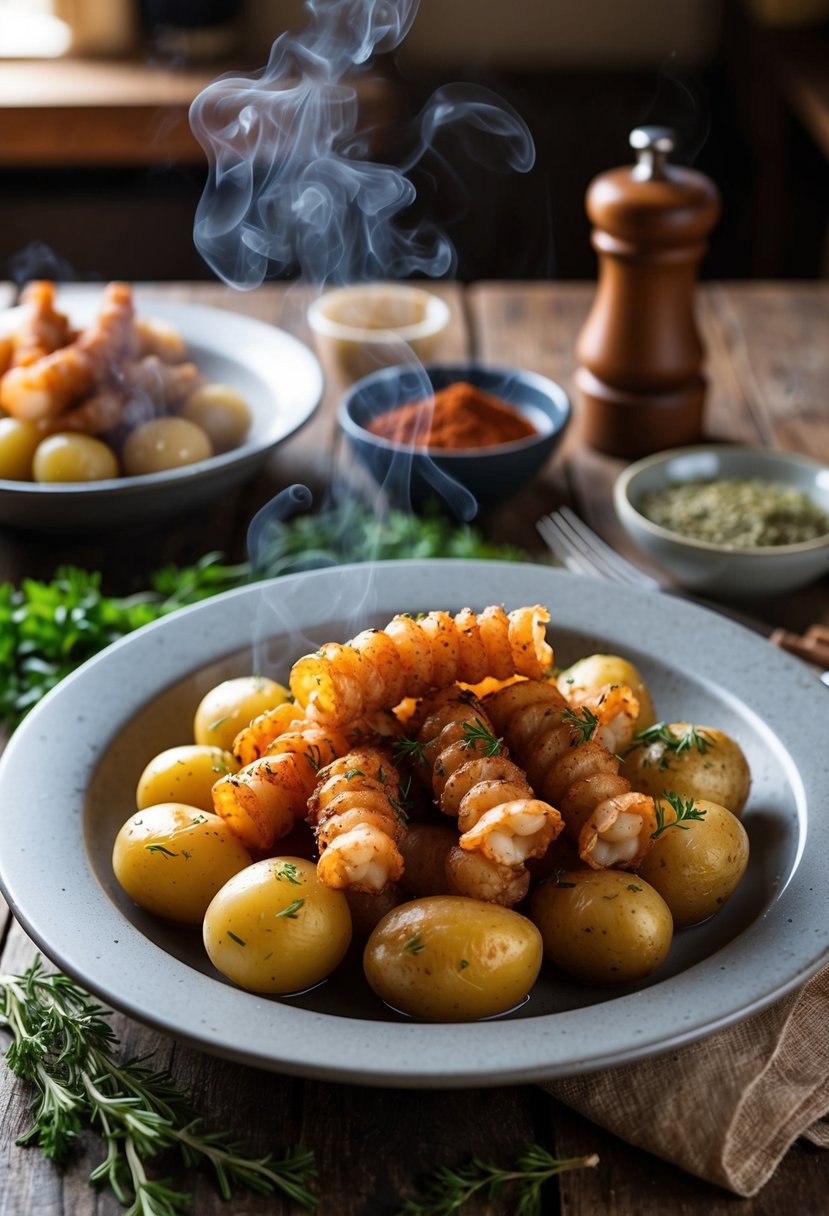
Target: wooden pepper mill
(639,352)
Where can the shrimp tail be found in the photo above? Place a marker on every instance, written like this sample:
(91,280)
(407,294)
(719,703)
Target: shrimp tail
(567,760)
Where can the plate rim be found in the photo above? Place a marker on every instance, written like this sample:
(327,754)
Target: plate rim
(380,1053)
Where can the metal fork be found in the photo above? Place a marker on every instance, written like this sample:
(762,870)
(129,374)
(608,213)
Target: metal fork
(579,549)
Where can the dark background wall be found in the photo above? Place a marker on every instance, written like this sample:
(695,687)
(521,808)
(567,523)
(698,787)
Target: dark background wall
(734,114)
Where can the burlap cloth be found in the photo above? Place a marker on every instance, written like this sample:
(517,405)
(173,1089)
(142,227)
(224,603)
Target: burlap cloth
(728,1107)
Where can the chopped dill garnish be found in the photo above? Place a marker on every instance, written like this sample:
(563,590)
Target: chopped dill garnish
(314,756)
(583,724)
(479,736)
(239,941)
(288,871)
(410,749)
(415,944)
(291,910)
(683,810)
(672,744)
(160,848)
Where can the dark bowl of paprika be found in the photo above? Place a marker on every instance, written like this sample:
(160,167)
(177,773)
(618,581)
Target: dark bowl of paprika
(465,435)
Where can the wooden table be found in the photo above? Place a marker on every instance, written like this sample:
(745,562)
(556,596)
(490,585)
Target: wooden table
(769,369)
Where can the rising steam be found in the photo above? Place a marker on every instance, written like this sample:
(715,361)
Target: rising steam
(289,190)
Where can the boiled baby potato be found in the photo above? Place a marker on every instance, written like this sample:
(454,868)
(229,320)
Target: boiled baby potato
(451,959)
(693,761)
(602,926)
(232,705)
(18,442)
(73,457)
(172,859)
(696,865)
(597,670)
(221,412)
(276,928)
(184,774)
(164,443)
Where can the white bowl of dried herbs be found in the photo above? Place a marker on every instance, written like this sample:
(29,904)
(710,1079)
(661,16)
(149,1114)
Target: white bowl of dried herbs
(729,520)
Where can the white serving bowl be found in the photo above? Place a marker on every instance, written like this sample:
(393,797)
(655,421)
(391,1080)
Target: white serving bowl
(361,328)
(727,570)
(278,376)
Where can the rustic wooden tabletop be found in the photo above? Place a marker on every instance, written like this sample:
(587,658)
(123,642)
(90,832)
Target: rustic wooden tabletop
(768,365)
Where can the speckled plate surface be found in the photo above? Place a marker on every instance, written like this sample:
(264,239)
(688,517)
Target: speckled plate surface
(71,769)
(279,377)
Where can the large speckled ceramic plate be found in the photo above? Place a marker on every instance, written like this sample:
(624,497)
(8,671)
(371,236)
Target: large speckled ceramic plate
(279,377)
(68,776)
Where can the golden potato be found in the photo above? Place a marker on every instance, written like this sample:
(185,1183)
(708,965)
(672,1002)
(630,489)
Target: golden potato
(18,442)
(596,670)
(221,412)
(697,864)
(693,761)
(164,443)
(172,859)
(602,926)
(73,457)
(225,709)
(451,959)
(184,774)
(276,928)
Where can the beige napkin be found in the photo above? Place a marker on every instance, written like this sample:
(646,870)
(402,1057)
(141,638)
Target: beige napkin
(728,1107)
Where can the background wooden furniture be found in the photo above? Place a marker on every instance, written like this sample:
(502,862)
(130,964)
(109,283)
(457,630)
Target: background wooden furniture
(769,370)
(98,163)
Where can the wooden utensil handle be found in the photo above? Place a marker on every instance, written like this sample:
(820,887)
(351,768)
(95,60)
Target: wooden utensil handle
(813,645)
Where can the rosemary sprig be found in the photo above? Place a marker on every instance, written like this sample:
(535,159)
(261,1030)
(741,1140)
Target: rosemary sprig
(478,735)
(410,749)
(449,1189)
(671,743)
(683,812)
(582,724)
(63,1045)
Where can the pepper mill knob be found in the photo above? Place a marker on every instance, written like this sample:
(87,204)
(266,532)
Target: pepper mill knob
(653,146)
(640,353)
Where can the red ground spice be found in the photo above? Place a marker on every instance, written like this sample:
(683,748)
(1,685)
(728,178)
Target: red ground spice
(459,416)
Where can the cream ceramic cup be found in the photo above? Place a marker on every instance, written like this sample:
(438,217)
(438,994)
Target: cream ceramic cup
(367,326)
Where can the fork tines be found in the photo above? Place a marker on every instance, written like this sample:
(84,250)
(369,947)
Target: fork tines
(579,549)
